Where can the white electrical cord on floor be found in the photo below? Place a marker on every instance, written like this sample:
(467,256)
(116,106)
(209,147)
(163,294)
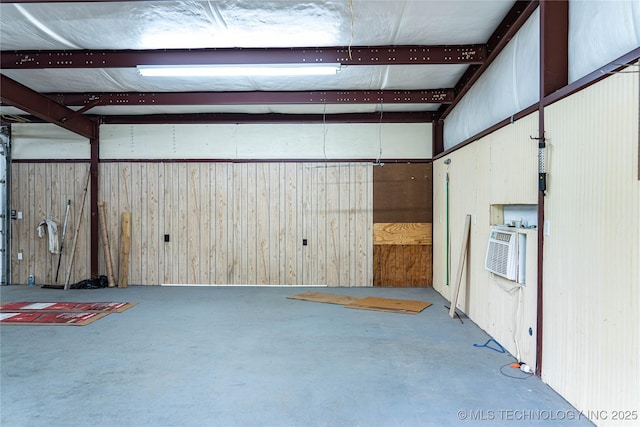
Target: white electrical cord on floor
(516,333)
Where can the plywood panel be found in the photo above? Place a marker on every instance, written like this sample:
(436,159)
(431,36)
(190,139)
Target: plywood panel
(291,241)
(402,265)
(222,224)
(362,230)
(168,219)
(138,238)
(321,223)
(263,209)
(403,192)
(151,239)
(402,233)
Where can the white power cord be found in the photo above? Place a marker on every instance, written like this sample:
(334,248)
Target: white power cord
(516,332)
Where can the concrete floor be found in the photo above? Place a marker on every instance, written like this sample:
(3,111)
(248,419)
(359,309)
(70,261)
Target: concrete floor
(247,356)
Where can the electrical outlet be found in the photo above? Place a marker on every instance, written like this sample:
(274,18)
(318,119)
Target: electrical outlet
(19,256)
(19,214)
(547,228)
(474,218)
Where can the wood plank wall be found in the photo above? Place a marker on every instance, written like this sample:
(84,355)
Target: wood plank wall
(41,191)
(243,223)
(402,214)
(228,223)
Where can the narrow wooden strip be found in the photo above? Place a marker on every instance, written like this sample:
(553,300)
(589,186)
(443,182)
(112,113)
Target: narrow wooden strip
(105,243)
(77,231)
(463,256)
(394,233)
(125,248)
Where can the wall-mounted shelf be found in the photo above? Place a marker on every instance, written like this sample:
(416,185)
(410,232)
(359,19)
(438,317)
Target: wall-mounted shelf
(511,214)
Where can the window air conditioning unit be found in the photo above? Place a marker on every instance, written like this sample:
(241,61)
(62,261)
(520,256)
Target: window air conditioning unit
(506,254)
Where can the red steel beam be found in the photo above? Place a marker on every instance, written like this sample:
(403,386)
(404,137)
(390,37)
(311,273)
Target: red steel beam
(70,1)
(235,118)
(517,16)
(554,46)
(554,75)
(26,99)
(432,96)
(357,55)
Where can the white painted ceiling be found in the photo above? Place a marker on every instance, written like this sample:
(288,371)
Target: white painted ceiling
(245,24)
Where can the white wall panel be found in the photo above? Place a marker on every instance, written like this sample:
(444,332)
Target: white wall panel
(592,255)
(599,32)
(47,141)
(266,141)
(508,86)
(498,169)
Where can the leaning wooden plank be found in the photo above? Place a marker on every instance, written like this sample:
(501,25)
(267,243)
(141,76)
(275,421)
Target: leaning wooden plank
(105,243)
(463,256)
(125,248)
(74,245)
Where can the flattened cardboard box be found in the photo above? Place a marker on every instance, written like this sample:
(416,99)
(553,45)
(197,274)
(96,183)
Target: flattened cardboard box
(325,297)
(369,303)
(390,304)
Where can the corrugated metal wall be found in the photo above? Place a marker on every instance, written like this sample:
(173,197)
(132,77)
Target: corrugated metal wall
(591,257)
(498,169)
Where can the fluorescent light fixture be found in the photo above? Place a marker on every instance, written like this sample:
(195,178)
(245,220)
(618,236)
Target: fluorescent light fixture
(237,70)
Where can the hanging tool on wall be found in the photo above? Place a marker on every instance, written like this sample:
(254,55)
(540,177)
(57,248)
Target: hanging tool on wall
(542,173)
(448,267)
(64,232)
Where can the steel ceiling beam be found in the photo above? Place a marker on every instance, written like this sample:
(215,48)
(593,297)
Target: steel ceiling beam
(70,1)
(242,118)
(508,28)
(357,55)
(236,118)
(433,96)
(45,108)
